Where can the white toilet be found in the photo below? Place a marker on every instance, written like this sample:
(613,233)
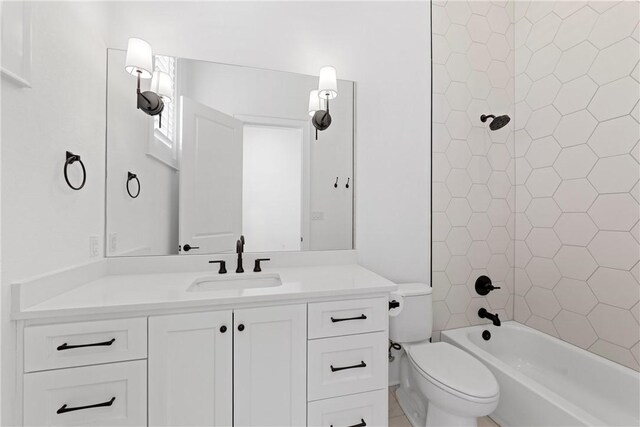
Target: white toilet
(440,385)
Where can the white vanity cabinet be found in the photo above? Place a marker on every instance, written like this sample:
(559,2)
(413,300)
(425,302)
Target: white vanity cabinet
(104,380)
(304,363)
(191,369)
(347,363)
(270,366)
(249,363)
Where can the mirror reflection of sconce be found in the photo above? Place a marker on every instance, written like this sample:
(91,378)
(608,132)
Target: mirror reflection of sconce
(139,63)
(319,99)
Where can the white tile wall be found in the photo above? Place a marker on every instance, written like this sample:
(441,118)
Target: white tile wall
(578,140)
(552,209)
(473,167)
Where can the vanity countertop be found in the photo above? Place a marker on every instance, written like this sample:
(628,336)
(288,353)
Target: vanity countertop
(117,294)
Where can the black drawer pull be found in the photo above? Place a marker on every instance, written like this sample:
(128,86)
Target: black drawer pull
(361,424)
(66,346)
(361,317)
(359,365)
(64,407)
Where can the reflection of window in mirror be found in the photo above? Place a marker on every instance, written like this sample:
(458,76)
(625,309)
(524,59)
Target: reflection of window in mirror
(163,143)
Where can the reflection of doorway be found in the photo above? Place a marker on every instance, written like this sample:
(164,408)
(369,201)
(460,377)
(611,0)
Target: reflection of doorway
(274,198)
(210,179)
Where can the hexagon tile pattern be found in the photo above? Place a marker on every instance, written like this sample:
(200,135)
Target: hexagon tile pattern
(473,197)
(582,187)
(552,210)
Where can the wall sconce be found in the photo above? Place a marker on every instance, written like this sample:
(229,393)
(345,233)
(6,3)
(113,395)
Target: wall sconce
(319,99)
(139,62)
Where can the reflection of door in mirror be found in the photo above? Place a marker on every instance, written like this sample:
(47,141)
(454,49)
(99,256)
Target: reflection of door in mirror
(273,213)
(210,179)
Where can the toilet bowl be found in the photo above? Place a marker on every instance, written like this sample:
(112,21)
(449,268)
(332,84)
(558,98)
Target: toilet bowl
(440,385)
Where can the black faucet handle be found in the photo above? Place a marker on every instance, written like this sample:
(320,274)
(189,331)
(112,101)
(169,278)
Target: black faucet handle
(223,265)
(239,246)
(484,285)
(256,265)
(242,239)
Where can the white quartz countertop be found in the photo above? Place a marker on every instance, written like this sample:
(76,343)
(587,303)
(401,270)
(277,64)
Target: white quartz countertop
(114,294)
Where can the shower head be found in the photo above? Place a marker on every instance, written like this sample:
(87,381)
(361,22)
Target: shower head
(497,122)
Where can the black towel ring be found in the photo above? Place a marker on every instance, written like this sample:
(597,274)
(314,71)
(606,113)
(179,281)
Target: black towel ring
(348,179)
(71,159)
(130,177)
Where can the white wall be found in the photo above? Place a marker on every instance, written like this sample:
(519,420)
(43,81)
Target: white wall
(148,224)
(45,225)
(272,188)
(383,46)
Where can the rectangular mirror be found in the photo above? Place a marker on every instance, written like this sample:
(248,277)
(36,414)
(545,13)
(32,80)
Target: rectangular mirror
(232,153)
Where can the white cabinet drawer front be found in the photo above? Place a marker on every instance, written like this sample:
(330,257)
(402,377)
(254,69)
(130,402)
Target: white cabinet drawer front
(103,395)
(347,365)
(369,408)
(84,343)
(335,318)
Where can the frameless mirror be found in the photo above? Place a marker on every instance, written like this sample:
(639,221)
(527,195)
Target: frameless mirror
(233,153)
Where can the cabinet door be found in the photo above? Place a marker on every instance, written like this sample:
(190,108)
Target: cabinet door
(270,356)
(190,369)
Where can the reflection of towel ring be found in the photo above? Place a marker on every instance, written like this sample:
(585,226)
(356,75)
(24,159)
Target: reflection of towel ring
(336,184)
(130,177)
(71,159)
(348,179)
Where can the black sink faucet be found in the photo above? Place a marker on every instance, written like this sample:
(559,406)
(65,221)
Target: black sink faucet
(239,251)
(484,314)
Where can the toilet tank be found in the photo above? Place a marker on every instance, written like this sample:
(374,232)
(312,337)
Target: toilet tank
(413,320)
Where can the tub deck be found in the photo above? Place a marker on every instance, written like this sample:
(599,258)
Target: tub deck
(547,382)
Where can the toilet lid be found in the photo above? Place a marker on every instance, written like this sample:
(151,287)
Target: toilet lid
(454,369)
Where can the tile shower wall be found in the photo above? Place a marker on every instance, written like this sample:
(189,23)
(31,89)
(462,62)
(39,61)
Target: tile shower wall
(554,217)
(577,239)
(473,168)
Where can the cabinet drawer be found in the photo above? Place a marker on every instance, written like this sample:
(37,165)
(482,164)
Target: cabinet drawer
(103,395)
(347,365)
(85,343)
(335,318)
(357,409)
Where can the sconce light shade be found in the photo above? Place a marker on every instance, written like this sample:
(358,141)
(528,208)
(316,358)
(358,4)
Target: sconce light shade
(161,85)
(139,58)
(328,86)
(316,103)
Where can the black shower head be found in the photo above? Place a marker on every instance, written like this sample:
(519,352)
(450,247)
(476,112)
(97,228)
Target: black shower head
(497,122)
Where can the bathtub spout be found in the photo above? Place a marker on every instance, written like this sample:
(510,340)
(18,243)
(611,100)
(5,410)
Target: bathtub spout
(484,314)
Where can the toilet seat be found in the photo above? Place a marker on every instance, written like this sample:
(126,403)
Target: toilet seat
(454,371)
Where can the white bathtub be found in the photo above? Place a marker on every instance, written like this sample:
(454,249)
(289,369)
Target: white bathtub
(547,382)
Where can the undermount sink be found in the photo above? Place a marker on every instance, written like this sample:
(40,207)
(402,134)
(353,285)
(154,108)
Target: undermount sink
(212,284)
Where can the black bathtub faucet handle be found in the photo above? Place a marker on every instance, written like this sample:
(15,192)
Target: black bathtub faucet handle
(484,285)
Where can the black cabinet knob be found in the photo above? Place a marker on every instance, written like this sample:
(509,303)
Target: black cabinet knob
(223,329)
(241,327)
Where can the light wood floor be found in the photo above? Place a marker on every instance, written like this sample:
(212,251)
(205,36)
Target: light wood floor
(398,419)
